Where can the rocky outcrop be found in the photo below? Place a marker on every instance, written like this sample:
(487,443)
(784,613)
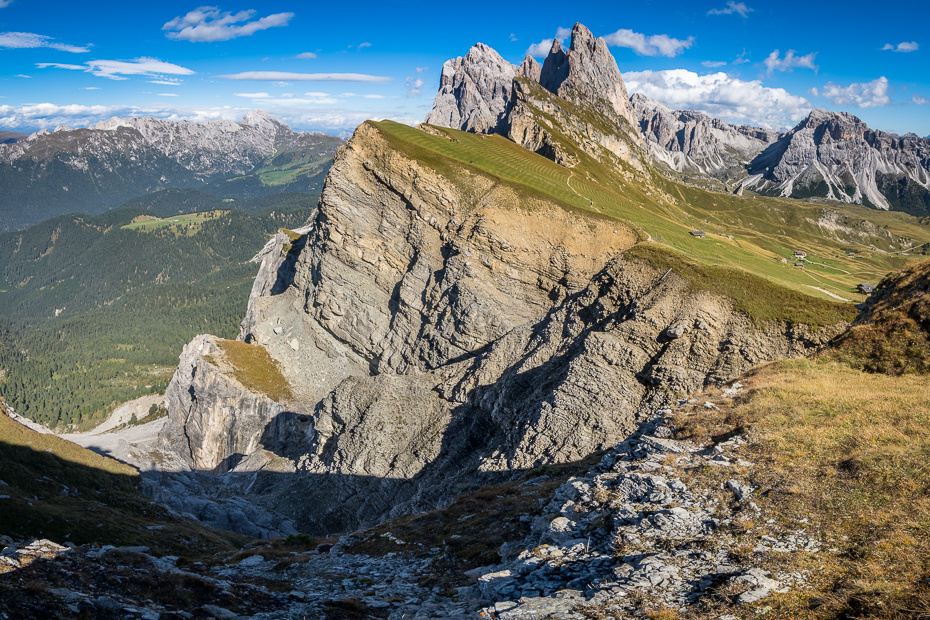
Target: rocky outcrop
(430,339)
(214,421)
(529,69)
(474,91)
(835,155)
(689,141)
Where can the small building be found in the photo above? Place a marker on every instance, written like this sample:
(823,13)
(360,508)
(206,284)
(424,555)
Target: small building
(801,265)
(700,234)
(800,253)
(866,288)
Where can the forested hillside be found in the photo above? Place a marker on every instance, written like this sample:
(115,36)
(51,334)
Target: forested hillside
(95,310)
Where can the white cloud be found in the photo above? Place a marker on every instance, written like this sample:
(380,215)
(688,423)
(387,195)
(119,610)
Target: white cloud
(165,82)
(790,61)
(90,88)
(253,95)
(653,45)
(413,86)
(911,46)
(920,100)
(374,96)
(306,55)
(274,76)
(23,75)
(741,59)
(872,94)
(116,69)
(5,3)
(541,49)
(513,37)
(714,63)
(422,69)
(348,95)
(813,92)
(721,96)
(732,7)
(167,94)
(25,40)
(209,24)
(363,45)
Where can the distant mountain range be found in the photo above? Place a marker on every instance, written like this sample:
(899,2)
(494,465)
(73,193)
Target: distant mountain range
(829,155)
(94,169)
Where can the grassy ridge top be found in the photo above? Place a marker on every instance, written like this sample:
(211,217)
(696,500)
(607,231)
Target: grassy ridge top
(757,235)
(254,368)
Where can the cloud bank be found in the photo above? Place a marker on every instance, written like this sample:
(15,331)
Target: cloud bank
(872,94)
(721,96)
(732,7)
(281,76)
(911,46)
(207,24)
(789,62)
(117,69)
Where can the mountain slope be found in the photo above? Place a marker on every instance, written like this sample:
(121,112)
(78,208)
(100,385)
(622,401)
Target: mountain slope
(92,170)
(94,311)
(688,141)
(835,155)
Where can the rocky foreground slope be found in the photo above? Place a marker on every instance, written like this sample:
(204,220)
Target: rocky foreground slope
(432,340)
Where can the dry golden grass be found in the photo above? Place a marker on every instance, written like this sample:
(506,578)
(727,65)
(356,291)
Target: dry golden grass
(850,452)
(894,338)
(254,368)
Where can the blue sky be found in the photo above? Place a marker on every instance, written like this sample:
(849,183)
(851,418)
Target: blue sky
(328,66)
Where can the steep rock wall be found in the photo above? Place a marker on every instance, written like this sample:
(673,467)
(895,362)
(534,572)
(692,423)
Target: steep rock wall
(437,333)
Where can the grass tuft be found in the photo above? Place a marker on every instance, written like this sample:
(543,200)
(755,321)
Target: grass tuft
(254,368)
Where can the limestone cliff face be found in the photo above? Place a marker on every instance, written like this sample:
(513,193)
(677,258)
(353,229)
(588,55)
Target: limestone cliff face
(689,141)
(474,91)
(436,332)
(214,421)
(835,155)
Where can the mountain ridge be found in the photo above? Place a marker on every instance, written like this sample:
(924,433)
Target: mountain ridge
(92,169)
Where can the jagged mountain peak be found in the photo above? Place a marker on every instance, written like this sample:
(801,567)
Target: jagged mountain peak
(691,141)
(836,156)
(261,118)
(587,71)
(474,91)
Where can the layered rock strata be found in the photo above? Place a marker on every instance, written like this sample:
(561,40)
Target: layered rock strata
(835,155)
(431,339)
(689,141)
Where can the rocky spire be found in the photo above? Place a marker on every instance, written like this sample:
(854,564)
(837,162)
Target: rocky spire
(587,71)
(474,91)
(530,68)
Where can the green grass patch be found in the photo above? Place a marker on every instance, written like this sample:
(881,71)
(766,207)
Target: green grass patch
(761,300)
(187,224)
(254,368)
